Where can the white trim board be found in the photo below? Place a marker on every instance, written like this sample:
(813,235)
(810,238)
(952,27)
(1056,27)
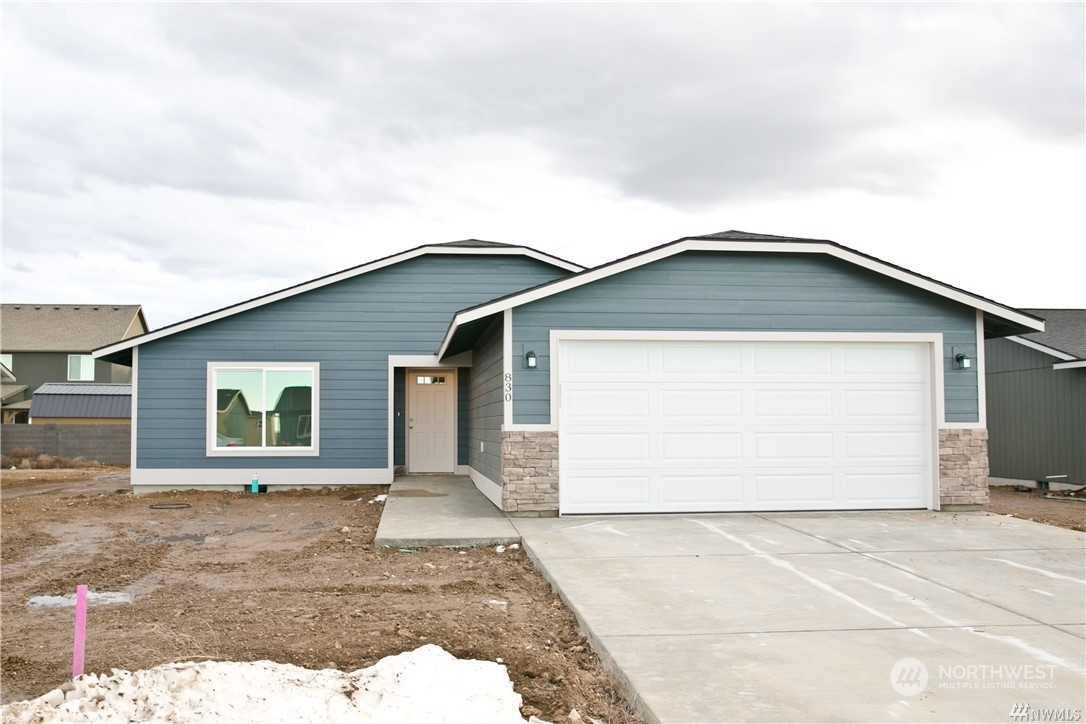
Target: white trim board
(193,478)
(703,244)
(333,279)
(1072,365)
(486,486)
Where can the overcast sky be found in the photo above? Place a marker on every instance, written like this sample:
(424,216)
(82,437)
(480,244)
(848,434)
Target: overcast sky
(190,156)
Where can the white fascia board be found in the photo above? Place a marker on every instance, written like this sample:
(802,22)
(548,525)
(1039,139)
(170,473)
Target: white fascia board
(777,247)
(1050,351)
(1075,364)
(331,279)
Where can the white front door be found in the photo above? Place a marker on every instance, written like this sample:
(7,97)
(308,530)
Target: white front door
(431,421)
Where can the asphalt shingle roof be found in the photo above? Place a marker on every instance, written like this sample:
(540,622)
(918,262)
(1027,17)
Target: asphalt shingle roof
(1065,330)
(67,327)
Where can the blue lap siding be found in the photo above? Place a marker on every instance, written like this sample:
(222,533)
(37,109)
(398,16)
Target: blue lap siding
(754,292)
(350,328)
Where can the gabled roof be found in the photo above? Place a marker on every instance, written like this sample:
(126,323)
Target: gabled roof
(120,352)
(1000,320)
(58,399)
(67,327)
(1064,337)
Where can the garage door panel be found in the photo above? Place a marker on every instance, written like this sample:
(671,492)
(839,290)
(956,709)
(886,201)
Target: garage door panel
(588,405)
(792,361)
(718,447)
(795,488)
(881,362)
(704,361)
(884,404)
(729,426)
(889,446)
(772,447)
(603,449)
(613,491)
(882,488)
(701,490)
(609,361)
(702,404)
(792,403)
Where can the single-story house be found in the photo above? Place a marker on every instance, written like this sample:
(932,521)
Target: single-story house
(1036,387)
(81,403)
(732,371)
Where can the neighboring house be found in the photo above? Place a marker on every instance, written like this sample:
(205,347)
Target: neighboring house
(733,371)
(1037,402)
(236,424)
(82,404)
(44,343)
(13,396)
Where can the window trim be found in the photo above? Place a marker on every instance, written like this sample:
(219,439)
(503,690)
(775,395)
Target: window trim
(211,405)
(82,358)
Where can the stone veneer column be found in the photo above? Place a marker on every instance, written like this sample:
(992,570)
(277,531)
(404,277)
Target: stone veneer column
(530,473)
(963,468)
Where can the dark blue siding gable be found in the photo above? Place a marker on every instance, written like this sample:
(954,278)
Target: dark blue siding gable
(753,292)
(350,328)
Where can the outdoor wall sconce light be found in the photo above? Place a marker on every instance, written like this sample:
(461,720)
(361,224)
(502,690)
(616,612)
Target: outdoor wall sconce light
(962,361)
(531,360)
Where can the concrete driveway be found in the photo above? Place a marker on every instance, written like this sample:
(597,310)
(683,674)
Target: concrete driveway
(904,616)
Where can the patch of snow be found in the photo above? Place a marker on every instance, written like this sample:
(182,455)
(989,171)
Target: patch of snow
(94,598)
(379,498)
(425,685)
(499,549)
(514,546)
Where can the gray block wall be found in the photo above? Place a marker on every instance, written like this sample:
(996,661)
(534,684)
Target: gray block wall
(105,443)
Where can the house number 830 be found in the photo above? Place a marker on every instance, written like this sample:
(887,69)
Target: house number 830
(508,386)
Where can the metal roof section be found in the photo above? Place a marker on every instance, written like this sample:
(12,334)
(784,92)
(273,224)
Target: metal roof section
(999,320)
(55,399)
(121,351)
(76,328)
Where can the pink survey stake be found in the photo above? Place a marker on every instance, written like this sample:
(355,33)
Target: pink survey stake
(80,630)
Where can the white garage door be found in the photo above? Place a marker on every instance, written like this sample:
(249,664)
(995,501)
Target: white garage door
(651,426)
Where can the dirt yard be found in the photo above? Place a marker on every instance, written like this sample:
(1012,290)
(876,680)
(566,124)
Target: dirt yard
(292,577)
(1062,509)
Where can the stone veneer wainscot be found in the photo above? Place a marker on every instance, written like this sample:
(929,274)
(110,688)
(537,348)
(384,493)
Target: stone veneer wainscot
(530,473)
(963,468)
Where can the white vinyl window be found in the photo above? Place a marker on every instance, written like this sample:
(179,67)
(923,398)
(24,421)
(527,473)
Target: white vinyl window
(80,368)
(5,359)
(263,408)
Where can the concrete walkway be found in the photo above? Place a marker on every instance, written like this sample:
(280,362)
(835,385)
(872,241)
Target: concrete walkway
(893,616)
(441,510)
